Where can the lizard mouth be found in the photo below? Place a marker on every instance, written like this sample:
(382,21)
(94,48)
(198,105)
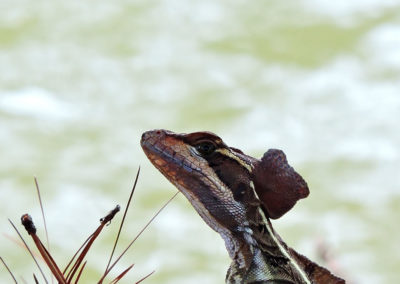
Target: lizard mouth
(161,152)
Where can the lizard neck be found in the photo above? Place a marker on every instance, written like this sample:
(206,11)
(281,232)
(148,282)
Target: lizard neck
(259,256)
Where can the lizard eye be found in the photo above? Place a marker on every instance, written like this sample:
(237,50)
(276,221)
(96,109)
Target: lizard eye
(205,148)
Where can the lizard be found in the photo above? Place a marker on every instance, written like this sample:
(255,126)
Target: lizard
(237,195)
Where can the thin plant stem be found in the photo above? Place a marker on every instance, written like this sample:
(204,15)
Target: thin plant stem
(43,215)
(123,218)
(137,236)
(9,271)
(30,252)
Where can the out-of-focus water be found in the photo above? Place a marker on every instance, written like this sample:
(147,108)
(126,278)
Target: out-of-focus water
(81,80)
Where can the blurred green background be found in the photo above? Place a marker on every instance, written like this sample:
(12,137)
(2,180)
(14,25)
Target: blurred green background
(81,80)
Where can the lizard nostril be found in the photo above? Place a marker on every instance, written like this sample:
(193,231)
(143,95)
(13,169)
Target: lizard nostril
(145,136)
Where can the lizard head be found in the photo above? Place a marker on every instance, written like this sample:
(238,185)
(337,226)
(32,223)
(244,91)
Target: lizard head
(224,185)
(213,177)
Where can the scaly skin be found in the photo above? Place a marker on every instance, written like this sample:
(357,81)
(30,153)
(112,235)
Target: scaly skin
(236,194)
